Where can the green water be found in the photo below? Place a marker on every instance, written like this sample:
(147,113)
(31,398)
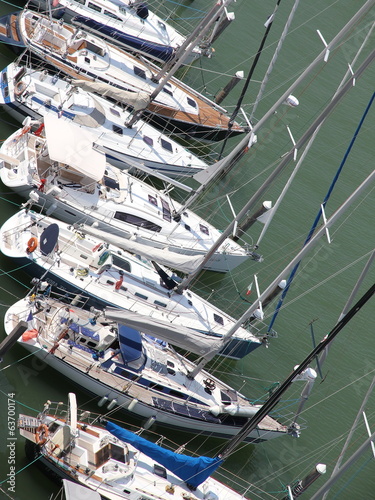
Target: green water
(325,277)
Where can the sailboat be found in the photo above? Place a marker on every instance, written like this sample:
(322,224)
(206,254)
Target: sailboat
(36,93)
(99,67)
(129,25)
(113,461)
(105,275)
(127,368)
(79,187)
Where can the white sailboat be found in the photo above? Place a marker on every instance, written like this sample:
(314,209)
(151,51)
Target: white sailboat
(95,120)
(128,369)
(97,64)
(113,461)
(130,25)
(77,185)
(105,275)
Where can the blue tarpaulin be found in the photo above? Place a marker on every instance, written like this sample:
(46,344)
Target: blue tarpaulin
(192,470)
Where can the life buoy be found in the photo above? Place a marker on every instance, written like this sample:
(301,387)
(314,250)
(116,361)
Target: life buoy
(41,435)
(32,244)
(19,88)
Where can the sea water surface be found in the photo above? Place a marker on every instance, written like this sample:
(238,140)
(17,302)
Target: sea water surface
(325,278)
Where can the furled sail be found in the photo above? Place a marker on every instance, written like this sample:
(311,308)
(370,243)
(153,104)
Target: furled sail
(137,100)
(178,335)
(184,263)
(192,470)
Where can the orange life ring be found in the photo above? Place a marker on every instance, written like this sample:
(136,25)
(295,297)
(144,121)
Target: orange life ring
(32,244)
(19,88)
(41,435)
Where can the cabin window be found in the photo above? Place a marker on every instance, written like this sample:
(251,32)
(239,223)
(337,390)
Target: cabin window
(117,453)
(191,102)
(166,145)
(204,229)
(82,2)
(161,304)
(137,221)
(148,140)
(92,6)
(166,211)
(218,319)
(113,16)
(87,60)
(141,296)
(160,471)
(117,130)
(187,227)
(121,263)
(176,394)
(4,78)
(167,91)
(152,200)
(139,72)
(114,111)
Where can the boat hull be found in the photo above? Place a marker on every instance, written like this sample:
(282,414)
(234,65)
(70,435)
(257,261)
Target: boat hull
(143,411)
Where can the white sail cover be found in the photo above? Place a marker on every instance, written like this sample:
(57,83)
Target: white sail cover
(177,335)
(184,263)
(73,145)
(138,100)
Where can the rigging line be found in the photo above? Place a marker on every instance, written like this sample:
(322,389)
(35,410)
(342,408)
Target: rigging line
(326,398)
(23,468)
(316,221)
(268,25)
(274,58)
(21,359)
(326,280)
(276,396)
(352,477)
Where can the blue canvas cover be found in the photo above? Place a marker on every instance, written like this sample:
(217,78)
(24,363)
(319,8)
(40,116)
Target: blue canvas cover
(192,470)
(48,239)
(130,343)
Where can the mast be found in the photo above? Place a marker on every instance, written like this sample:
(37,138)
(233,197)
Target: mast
(287,158)
(364,446)
(311,244)
(323,205)
(268,26)
(275,398)
(210,173)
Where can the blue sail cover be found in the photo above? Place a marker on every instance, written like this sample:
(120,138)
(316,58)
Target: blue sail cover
(156,50)
(192,470)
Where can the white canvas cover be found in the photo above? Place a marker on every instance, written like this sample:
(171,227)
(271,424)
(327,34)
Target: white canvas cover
(184,263)
(73,145)
(138,100)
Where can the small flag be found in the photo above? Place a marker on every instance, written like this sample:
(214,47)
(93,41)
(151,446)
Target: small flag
(248,291)
(55,3)
(30,316)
